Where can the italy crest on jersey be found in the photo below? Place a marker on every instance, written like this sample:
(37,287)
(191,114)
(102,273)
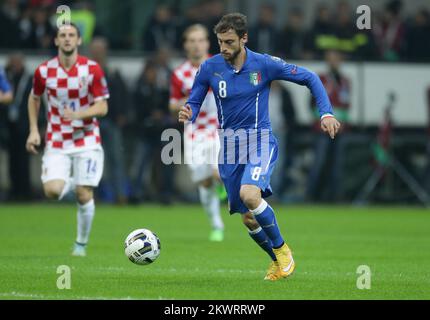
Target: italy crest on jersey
(255,78)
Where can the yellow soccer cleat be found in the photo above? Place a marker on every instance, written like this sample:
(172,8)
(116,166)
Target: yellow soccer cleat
(273,273)
(285,261)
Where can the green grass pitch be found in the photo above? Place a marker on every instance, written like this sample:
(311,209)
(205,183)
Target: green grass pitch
(329,244)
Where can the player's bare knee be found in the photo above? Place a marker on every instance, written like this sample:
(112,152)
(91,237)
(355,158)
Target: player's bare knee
(84,198)
(51,194)
(84,194)
(251,197)
(52,190)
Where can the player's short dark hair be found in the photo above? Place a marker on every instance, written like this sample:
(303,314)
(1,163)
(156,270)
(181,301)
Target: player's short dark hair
(70,24)
(233,21)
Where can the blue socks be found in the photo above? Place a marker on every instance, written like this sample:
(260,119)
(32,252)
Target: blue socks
(261,238)
(266,219)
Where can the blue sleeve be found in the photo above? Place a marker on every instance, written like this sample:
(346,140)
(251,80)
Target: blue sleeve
(4,83)
(199,90)
(278,69)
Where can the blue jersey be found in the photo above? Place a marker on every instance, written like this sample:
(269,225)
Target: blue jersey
(242,97)
(4,83)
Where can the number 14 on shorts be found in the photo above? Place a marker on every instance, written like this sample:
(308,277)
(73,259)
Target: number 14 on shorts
(91,166)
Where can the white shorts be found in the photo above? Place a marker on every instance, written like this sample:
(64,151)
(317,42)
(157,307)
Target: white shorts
(86,167)
(201,172)
(202,159)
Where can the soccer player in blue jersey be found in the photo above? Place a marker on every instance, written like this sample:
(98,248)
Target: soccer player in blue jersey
(240,80)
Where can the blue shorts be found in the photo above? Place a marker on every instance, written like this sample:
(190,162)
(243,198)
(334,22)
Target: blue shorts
(256,173)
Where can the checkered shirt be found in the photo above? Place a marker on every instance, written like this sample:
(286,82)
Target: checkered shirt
(78,88)
(206,124)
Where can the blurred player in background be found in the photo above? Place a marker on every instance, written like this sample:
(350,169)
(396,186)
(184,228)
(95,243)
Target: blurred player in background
(73,157)
(240,80)
(6,96)
(201,137)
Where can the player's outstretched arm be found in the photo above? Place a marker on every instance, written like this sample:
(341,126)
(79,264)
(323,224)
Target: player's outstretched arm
(97,110)
(329,124)
(278,69)
(198,92)
(177,97)
(33,140)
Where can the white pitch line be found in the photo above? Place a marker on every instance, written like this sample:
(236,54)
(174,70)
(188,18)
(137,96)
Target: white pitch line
(44,297)
(161,270)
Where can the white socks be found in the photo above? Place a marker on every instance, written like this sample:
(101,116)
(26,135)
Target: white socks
(85,219)
(211,203)
(260,209)
(85,213)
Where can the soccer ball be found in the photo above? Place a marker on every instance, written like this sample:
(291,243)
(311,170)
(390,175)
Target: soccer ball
(142,246)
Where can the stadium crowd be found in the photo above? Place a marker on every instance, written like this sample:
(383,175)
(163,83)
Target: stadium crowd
(139,113)
(30,24)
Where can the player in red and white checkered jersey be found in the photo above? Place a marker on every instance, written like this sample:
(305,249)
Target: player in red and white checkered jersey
(77,89)
(201,138)
(73,159)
